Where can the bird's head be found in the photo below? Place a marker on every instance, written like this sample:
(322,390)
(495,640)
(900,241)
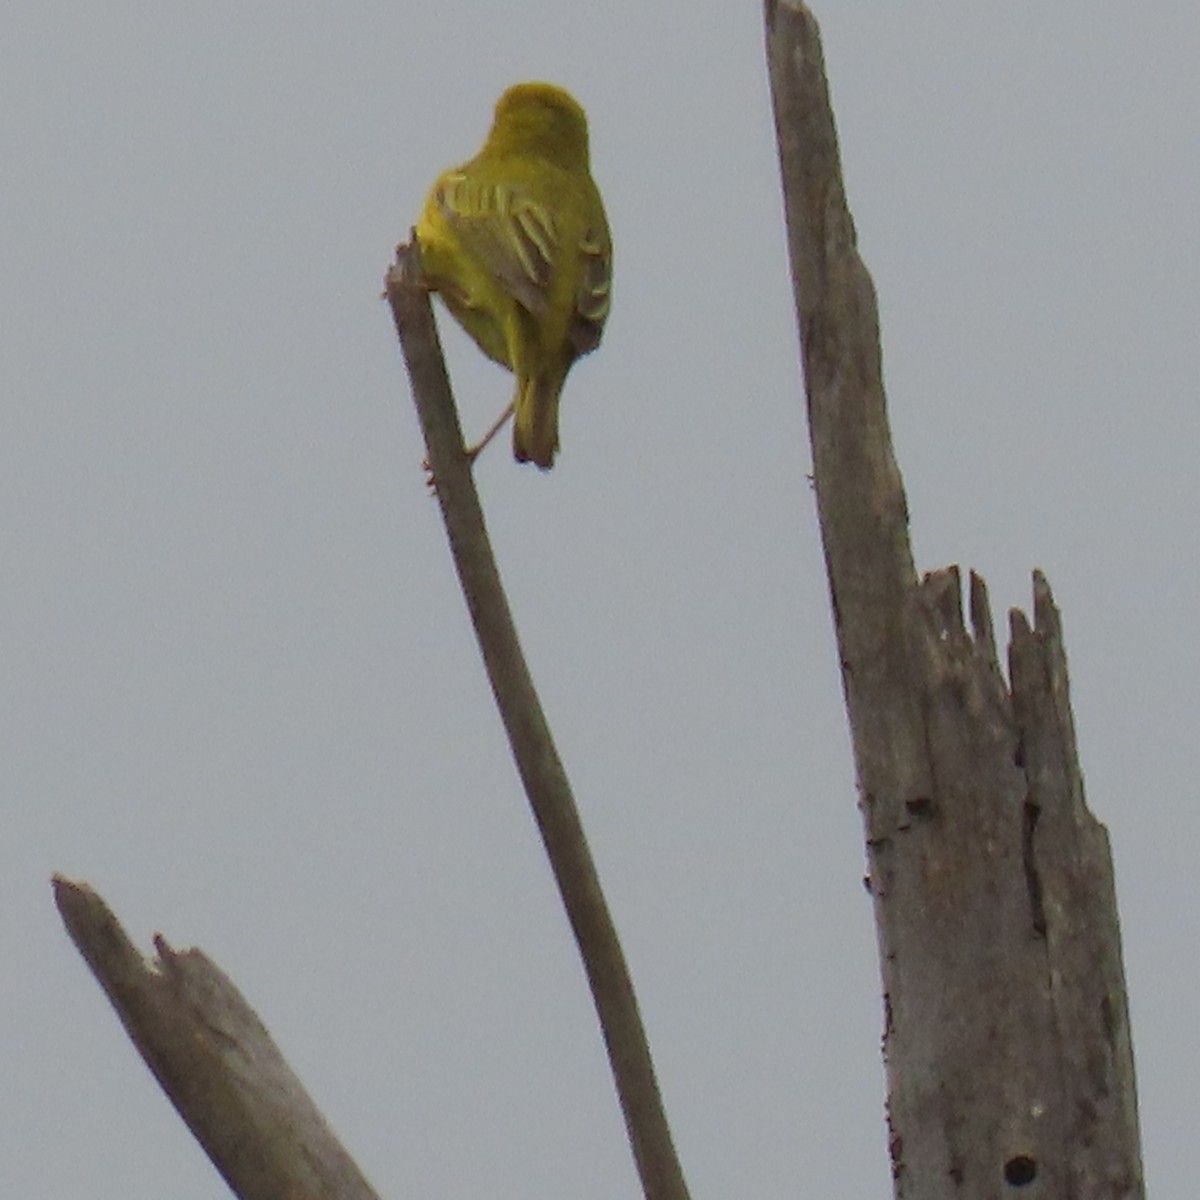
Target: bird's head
(539,118)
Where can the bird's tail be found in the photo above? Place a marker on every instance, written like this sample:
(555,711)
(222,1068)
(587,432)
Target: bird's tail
(535,422)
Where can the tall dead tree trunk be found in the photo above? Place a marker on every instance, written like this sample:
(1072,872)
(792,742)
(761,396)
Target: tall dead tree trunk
(1006,1037)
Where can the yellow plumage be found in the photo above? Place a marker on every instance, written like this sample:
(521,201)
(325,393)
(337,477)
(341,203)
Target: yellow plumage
(516,242)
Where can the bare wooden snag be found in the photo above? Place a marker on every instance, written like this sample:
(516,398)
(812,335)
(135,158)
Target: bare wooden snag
(1009,1062)
(215,1060)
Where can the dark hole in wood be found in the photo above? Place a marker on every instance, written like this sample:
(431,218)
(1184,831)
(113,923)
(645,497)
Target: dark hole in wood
(1020,1170)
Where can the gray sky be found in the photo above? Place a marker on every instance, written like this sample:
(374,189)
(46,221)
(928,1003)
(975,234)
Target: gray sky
(240,693)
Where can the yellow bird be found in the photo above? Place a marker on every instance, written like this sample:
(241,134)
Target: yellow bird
(517,244)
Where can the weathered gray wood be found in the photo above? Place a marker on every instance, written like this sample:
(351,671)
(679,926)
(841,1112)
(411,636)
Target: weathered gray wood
(1006,1034)
(1074,892)
(215,1060)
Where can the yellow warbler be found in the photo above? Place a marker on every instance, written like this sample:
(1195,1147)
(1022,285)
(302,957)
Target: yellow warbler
(517,244)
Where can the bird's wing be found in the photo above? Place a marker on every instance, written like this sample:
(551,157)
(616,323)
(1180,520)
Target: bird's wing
(595,288)
(512,235)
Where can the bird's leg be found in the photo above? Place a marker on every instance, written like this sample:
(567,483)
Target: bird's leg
(473,452)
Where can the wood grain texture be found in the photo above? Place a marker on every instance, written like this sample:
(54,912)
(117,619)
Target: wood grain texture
(1006,1031)
(215,1060)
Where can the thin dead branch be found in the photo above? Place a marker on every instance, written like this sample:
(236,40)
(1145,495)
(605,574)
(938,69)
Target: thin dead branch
(533,748)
